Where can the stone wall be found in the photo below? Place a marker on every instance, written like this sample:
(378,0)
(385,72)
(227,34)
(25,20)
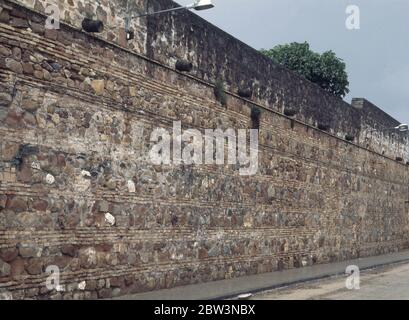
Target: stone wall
(183,35)
(214,53)
(111,13)
(76,113)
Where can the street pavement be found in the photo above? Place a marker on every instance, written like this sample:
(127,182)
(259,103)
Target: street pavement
(382,283)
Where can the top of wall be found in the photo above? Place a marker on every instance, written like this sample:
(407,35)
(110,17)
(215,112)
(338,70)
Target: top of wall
(214,53)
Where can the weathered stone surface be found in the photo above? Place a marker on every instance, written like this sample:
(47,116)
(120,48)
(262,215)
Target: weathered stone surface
(28,68)
(32,292)
(51,34)
(62,262)
(4,16)
(56,296)
(34,266)
(9,151)
(8,254)
(25,174)
(110,219)
(202,253)
(29,119)
(98,86)
(5,99)
(103,206)
(69,250)
(40,205)
(5,51)
(17,53)
(5,295)
(131,186)
(87,257)
(105,293)
(37,27)
(5,269)
(47,75)
(30,104)
(49,179)
(17,204)
(3,113)
(29,251)
(19,22)
(111,184)
(15,12)
(3,201)
(14,66)
(39,74)
(14,118)
(17,267)
(91,285)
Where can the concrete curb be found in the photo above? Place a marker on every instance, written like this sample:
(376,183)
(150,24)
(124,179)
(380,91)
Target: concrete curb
(225,289)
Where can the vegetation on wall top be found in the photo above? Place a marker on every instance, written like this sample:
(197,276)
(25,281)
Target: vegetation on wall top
(326,69)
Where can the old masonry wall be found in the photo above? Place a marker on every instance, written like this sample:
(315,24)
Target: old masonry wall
(76,112)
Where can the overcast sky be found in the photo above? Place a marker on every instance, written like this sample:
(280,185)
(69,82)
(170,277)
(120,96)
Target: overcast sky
(377,55)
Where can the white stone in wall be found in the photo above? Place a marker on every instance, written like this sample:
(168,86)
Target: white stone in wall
(109,218)
(35,165)
(83,182)
(85,173)
(50,179)
(82,285)
(131,186)
(91,255)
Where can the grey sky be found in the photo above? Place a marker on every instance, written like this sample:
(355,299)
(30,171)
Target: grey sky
(377,55)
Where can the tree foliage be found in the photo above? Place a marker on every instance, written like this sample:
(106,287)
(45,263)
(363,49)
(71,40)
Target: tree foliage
(326,69)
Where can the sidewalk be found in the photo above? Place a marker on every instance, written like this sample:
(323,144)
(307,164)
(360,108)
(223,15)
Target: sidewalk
(230,288)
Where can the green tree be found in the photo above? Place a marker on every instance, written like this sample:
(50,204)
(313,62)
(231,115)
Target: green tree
(326,70)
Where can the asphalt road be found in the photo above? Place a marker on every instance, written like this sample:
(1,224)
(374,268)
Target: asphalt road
(384,283)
